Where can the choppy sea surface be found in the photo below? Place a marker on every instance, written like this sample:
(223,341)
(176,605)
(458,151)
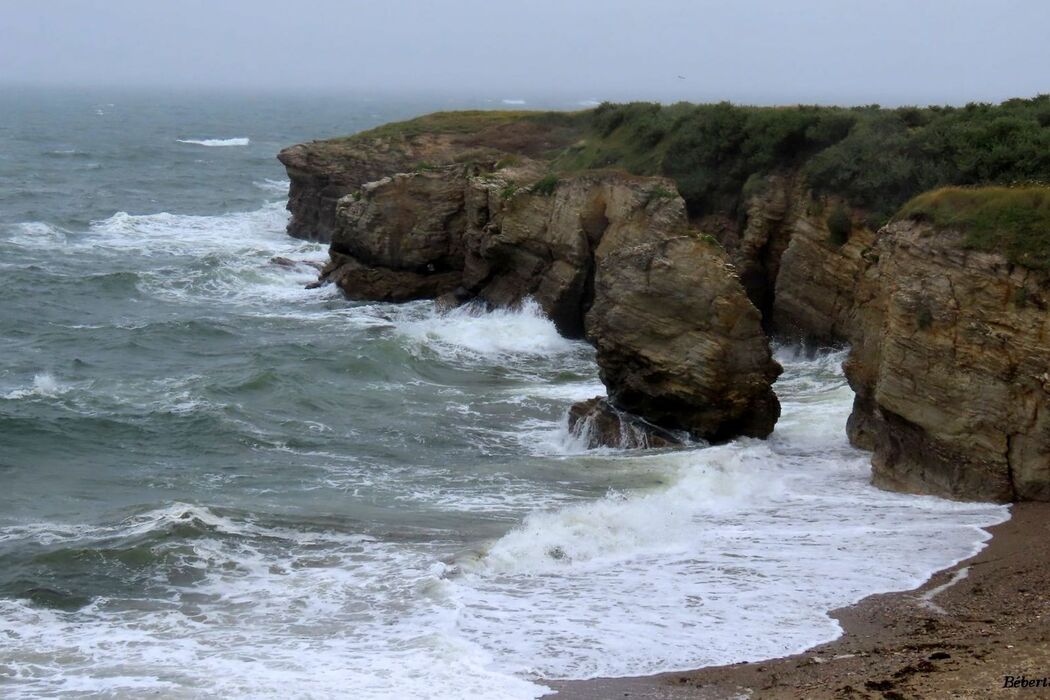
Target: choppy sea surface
(216,483)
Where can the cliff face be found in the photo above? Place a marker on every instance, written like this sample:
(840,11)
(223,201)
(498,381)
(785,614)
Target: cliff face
(608,256)
(951,367)
(322,172)
(795,272)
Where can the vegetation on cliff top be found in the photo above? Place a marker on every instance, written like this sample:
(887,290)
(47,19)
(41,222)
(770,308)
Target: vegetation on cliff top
(874,158)
(1014,221)
(463,122)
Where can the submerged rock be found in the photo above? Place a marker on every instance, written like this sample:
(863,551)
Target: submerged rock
(601,424)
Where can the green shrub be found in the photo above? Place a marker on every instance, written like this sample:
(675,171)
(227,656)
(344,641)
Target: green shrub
(840,225)
(545,186)
(875,158)
(508,191)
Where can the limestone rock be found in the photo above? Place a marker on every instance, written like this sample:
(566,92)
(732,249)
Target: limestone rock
(362,282)
(951,368)
(801,281)
(607,255)
(677,339)
(814,291)
(408,221)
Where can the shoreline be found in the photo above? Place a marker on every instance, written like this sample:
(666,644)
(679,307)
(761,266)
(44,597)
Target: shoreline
(958,635)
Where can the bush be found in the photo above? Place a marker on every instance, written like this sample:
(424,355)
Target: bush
(875,158)
(545,186)
(840,225)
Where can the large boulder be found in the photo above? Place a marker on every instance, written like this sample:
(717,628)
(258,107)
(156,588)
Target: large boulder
(677,339)
(951,368)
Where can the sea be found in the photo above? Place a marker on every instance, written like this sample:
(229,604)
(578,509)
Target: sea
(217,483)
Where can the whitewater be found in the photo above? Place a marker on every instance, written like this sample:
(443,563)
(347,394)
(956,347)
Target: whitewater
(220,483)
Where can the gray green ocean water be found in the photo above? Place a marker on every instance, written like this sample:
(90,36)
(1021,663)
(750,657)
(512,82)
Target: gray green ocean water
(218,483)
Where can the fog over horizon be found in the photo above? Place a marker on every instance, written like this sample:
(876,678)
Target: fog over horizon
(750,51)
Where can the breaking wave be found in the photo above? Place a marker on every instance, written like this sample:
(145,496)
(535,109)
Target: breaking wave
(239,141)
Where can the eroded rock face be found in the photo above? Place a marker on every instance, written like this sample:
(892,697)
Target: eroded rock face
(606,255)
(677,339)
(323,172)
(801,280)
(409,221)
(543,245)
(951,368)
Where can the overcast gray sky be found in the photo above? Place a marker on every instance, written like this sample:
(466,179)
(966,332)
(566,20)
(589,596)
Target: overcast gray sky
(759,51)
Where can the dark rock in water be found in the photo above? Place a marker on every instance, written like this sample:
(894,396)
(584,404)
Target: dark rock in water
(604,425)
(365,283)
(282,262)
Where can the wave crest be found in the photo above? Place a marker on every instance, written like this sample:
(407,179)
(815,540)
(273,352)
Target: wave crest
(238,141)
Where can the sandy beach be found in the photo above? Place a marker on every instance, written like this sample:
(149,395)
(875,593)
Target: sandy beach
(963,634)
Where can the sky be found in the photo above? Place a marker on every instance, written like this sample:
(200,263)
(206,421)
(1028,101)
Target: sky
(749,51)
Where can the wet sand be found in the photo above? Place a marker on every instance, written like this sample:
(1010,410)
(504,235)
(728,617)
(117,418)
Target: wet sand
(957,636)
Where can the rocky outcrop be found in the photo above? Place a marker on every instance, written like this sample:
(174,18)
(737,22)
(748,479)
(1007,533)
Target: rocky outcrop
(608,256)
(677,339)
(951,368)
(322,172)
(814,292)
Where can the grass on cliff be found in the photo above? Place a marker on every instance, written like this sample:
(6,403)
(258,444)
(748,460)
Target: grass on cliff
(1013,221)
(464,122)
(872,159)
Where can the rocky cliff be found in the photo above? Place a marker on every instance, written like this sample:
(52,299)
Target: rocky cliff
(607,255)
(321,172)
(796,271)
(951,367)
(947,324)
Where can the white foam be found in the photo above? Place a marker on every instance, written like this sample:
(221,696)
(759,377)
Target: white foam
(727,554)
(354,613)
(238,141)
(472,332)
(273,186)
(738,555)
(44,385)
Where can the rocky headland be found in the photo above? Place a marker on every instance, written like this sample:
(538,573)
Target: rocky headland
(679,243)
